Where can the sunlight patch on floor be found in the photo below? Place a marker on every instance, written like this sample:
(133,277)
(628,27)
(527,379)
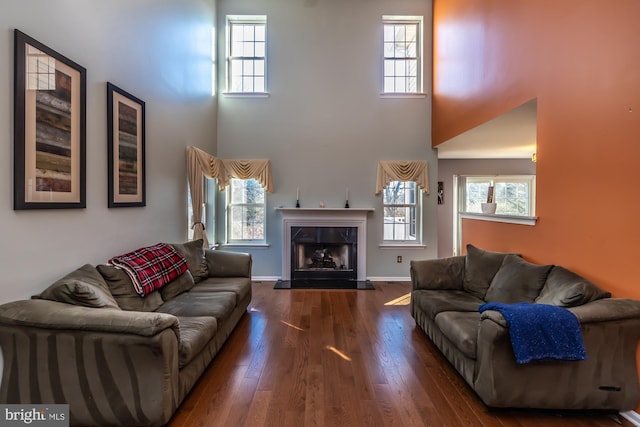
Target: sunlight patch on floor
(403,300)
(338,352)
(292,326)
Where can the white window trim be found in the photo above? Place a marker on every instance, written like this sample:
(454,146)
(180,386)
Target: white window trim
(228,224)
(406,19)
(531,179)
(407,244)
(246,19)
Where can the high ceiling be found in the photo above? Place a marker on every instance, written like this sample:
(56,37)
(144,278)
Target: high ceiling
(510,136)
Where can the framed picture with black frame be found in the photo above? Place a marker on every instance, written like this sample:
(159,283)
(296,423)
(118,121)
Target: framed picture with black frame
(49,128)
(126,148)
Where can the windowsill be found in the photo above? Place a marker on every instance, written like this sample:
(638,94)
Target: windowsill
(245,245)
(401,246)
(510,219)
(403,95)
(245,94)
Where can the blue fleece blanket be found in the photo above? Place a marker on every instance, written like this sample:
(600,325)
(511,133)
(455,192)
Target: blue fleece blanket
(541,331)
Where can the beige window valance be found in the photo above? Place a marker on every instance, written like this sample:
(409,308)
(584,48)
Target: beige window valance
(201,163)
(403,170)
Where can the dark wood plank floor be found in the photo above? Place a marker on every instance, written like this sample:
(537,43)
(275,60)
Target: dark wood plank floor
(343,358)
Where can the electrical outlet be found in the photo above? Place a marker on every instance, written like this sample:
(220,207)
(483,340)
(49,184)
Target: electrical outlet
(399,259)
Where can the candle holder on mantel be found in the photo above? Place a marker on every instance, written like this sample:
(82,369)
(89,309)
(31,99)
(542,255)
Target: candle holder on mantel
(297,203)
(346,204)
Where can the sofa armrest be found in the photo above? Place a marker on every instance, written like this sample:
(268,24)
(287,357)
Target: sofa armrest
(443,273)
(607,309)
(47,314)
(228,264)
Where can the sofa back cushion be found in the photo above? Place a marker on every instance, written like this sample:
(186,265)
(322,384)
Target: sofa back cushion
(174,288)
(479,269)
(193,251)
(565,288)
(517,281)
(124,293)
(83,286)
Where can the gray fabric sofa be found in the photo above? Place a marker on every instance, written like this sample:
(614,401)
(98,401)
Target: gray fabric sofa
(116,358)
(446,294)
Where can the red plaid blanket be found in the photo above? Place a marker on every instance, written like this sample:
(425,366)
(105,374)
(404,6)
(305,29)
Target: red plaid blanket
(152,267)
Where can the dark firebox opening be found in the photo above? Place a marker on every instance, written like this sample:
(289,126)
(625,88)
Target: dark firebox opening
(324,253)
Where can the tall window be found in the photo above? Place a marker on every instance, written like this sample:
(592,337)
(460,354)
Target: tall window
(401,212)
(245,211)
(402,68)
(513,195)
(246,59)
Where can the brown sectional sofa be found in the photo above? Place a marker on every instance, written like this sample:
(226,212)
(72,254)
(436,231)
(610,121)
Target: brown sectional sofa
(447,293)
(116,358)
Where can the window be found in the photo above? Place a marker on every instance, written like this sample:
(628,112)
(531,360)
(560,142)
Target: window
(401,212)
(513,195)
(402,54)
(245,211)
(246,59)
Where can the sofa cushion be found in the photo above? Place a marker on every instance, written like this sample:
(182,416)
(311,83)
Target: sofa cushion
(517,281)
(124,293)
(461,328)
(195,334)
(181,284)
(479,269)
(434,301)
(84,286)
(241,286)
(218,304)
(565,288)
(193,251)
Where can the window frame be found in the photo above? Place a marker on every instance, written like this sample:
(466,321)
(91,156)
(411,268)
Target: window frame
(493,179)
(228,215)
(418,21)
(417,217)
(244,20)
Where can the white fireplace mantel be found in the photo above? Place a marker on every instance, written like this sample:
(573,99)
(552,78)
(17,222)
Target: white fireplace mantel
(324,217)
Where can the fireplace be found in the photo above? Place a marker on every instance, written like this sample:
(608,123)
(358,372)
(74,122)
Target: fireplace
(324,253)
(324,247)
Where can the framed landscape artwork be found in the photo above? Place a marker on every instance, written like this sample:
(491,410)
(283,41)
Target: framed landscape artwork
(49,128)
(126,140)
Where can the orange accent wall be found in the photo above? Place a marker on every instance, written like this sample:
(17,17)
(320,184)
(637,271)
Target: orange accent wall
(580,59)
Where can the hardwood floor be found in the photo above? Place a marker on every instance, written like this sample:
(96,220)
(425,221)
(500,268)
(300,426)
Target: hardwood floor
(343,358)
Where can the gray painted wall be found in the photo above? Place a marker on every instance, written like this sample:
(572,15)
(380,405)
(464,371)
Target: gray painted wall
(158,50)
(324,126)
(446,171)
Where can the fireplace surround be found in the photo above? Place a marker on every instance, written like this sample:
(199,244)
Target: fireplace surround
(324,246)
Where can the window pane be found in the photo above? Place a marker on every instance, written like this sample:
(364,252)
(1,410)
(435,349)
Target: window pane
(389,50)
(247,84)
(411,68)
(389,67)
(411,32)
(258,68)
(258,84)
(260,33)
(411,50)
(247,67)
(236,32)
(236,67)
(399,33)
(236,84)
(259,49)
(412,84)
(400,84)
(237,49)
(388,84)
(248,48)
(388,33)
(248,32)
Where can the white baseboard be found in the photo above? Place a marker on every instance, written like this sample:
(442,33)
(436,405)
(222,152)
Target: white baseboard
(265,278)
(632,416)
(389,279)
